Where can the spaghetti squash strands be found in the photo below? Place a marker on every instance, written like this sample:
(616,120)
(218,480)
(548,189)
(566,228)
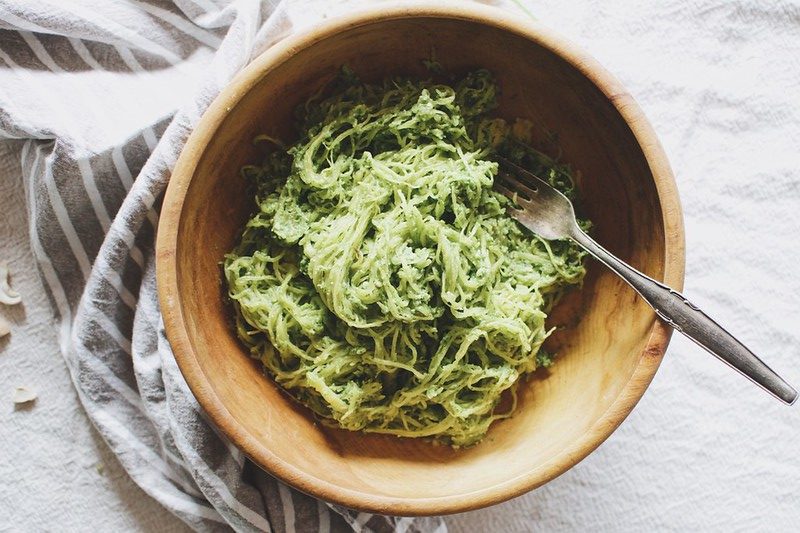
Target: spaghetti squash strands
(380,280)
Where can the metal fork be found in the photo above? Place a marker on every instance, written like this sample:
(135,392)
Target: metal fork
(548,213)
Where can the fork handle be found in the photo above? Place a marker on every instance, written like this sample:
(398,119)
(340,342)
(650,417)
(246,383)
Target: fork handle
(677,311)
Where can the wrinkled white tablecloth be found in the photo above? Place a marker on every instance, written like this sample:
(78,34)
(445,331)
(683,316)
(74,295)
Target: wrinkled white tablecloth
(704,450)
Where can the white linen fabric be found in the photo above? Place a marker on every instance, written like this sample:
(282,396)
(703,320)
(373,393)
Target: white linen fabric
(105,94)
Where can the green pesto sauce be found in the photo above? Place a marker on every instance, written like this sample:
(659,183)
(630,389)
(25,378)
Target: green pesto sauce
(380,281)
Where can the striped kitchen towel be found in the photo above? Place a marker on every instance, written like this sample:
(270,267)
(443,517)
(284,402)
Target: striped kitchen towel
(105,94)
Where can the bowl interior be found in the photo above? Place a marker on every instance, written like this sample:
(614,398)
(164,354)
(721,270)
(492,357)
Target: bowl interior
(605,326)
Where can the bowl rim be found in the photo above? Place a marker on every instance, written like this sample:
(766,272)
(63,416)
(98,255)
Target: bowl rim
(170,299)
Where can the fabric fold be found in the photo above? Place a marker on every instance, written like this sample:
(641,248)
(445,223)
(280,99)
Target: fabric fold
(106,94)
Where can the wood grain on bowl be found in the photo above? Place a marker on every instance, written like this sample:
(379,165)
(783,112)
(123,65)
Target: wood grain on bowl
(609,351)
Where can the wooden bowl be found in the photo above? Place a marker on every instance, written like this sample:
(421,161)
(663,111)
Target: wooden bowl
(611,344)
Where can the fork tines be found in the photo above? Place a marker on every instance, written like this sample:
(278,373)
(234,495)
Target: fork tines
(511,183)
